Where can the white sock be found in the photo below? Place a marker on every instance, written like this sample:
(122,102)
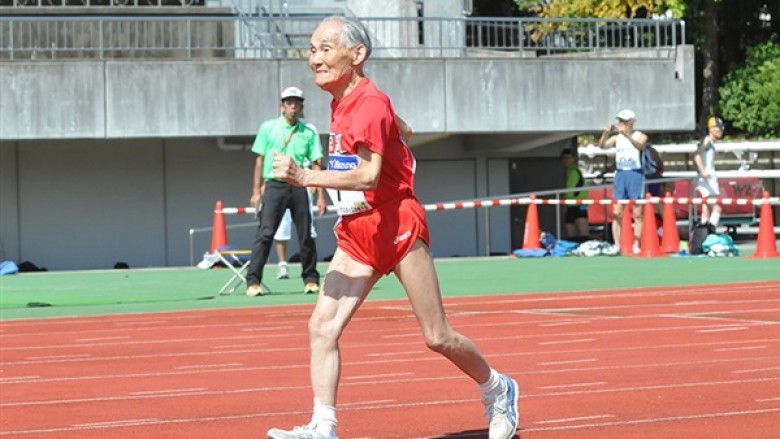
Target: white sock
(324,418)
(714,218)
(492,387)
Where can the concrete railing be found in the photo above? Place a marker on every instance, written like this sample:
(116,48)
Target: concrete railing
(47,36)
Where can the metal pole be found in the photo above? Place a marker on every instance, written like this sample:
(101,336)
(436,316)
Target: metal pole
(487,232)
(558,216)
(192,255)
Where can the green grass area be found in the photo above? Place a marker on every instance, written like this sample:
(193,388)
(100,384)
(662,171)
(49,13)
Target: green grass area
(78,293)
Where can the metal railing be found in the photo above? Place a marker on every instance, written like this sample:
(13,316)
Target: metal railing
(26,37)
(99,3)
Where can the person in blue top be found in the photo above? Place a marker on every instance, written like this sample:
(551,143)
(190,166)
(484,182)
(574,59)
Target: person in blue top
(286,135)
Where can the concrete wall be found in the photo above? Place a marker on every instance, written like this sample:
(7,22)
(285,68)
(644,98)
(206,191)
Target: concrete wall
(107,161)
(121,99)
(85,204)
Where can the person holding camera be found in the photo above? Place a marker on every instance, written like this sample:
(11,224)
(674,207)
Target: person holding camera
(629,182)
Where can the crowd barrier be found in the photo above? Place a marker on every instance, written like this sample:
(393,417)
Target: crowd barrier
(650,244)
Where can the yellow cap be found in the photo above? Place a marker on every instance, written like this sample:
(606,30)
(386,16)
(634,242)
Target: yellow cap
(715,122)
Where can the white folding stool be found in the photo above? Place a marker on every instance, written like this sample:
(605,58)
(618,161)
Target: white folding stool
(232,260)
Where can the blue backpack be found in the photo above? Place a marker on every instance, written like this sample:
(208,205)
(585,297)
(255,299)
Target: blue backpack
(649,165)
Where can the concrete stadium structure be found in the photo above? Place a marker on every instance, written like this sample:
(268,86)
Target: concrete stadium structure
(114,159)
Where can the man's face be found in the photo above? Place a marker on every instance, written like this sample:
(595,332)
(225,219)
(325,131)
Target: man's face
(331,62)
(625,123)
(292,108)
(716,132)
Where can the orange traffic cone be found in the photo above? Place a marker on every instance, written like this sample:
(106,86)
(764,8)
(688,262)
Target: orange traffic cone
(218,232)
(670,242)
(531,232)
(766,245)
(627,231)
(648,246)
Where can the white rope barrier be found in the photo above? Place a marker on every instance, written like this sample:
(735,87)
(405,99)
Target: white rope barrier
(753,173)
(591,150)
(519,201)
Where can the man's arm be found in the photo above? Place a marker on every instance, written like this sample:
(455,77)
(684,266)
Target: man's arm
(258,184)
(322,203)
(640,142)
(364,177)
(698,157)
(607,140)
(406,130)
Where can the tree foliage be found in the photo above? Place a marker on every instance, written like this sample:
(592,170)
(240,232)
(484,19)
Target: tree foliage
(750,96)
(722,31)
(603,8)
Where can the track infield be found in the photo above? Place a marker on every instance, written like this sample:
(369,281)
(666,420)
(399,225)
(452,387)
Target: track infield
(662,362)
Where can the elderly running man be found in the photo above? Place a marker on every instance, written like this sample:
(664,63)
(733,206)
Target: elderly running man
(382,230)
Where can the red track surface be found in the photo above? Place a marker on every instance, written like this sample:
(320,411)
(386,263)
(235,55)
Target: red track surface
(647,363)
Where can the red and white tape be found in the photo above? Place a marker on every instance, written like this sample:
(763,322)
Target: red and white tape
(476,204)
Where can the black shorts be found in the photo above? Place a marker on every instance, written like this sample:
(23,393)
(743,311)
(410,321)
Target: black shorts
(574,212)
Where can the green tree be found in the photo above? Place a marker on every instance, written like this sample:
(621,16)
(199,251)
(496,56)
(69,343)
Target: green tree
(603,8)
(720,30)
(750,96)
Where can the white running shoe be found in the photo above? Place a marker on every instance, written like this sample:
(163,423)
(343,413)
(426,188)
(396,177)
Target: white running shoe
(501,413)
(302,432)
(282,272)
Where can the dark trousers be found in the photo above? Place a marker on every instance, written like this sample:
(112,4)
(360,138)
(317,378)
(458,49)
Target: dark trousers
(278,197)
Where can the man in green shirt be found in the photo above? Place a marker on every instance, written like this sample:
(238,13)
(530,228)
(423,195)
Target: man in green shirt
(286,135)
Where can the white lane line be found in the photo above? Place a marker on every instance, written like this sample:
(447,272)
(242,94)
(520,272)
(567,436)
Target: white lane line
(169,391)
(58,357)
(363,403)
(412,334)
(88,340)
(383,375)
(160,355)
(632,389)
(305,365)
(706,291)
(566,323)
(272,390)
(144,322)
(555,363)
(744,348)
(391,354)
(240,346)
(766,369)
(157,341)
(580,340)
(656,420)
(568,386)
(699,302)
(581,418)
(208,366)
(23,379)
(145,422)
(723,329)
(768,399)
(267,329)
(128,422)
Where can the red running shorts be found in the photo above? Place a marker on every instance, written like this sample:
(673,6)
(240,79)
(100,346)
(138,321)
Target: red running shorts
(382,237)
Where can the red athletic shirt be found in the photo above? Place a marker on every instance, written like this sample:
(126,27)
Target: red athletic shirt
(366,117)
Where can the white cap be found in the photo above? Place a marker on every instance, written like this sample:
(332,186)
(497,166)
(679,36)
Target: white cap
(292,92)
(626,115)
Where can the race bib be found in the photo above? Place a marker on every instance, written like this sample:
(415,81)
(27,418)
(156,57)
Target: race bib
(346,202)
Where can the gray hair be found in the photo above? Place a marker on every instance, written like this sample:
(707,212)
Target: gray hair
(353,34)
